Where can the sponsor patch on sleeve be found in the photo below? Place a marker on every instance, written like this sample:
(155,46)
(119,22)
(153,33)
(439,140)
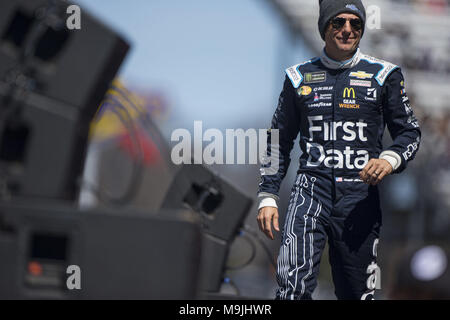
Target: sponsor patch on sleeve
(294,75)
(385,71)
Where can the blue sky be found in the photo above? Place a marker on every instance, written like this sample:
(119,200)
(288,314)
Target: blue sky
(220,62)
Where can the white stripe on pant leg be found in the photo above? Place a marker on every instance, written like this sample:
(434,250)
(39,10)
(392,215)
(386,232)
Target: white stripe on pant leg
(283,258)
(311,248)
(292,253)
(311,237)
(316,215)
(292,223)
(297,268)
(291,237)
(293,244)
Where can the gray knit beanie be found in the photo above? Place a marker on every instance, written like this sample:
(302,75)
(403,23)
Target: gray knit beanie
(331,8)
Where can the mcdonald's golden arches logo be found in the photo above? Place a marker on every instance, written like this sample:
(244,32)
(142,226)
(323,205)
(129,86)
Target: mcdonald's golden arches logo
(349,93)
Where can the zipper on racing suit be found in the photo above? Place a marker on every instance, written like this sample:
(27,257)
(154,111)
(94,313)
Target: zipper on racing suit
(339,73)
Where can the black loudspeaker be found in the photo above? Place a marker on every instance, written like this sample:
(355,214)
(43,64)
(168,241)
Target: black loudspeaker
(42,148)
(222,209)
(213,261)
(120,256)
(70,66)
(52,81)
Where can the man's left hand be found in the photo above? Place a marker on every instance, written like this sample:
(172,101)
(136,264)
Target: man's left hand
(375,171)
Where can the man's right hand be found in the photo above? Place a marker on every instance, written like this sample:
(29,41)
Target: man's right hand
(267,216)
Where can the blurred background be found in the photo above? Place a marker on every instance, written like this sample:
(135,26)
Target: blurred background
(222,63)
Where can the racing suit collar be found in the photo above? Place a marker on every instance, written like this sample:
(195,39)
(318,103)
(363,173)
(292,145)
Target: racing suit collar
(333,64)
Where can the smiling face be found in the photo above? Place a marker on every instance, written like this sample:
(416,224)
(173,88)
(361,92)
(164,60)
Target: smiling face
(341,42)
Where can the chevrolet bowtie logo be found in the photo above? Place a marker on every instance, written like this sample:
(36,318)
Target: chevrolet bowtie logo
(361,75)
(349,93)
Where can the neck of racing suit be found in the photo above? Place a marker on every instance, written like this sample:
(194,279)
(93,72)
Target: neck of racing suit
(333,64)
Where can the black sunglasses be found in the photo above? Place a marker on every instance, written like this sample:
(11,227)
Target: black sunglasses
(339,22)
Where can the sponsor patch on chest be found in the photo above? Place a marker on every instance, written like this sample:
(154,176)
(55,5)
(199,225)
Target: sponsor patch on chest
(361,75)
(360,83)
(371,94)
(315,77)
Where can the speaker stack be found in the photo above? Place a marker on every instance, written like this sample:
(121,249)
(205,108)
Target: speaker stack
(222,209)
(52,81)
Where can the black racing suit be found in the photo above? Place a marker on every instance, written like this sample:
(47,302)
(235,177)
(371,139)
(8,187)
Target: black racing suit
(341,114)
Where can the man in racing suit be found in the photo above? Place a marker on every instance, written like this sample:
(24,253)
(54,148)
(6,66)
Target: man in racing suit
(340,104)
